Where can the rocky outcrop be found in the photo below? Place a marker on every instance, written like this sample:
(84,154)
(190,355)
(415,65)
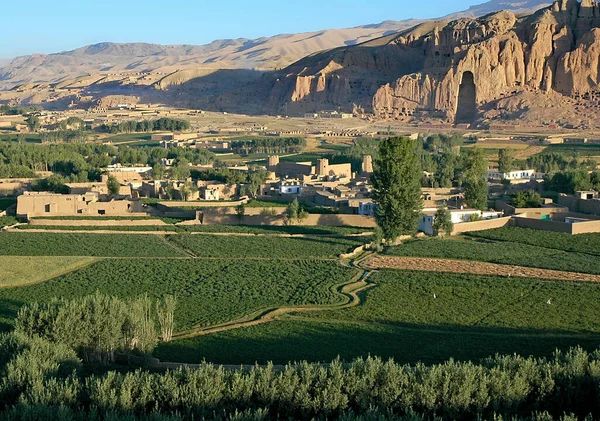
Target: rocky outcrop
(420,71)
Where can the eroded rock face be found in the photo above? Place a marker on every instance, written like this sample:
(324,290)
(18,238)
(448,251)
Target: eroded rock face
(420,70)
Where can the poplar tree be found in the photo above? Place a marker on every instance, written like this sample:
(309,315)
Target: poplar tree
(397,187)
(475,175)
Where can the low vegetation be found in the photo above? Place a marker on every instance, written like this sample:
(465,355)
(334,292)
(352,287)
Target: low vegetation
(418,317)
(76,244)
(583,243)
(46,380)
(507,253)
(211,229)
(208,291)
(264,247)
(24,270)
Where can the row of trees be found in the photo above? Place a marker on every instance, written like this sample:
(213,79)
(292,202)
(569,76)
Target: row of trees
(40,376)
(269,145)
(146,126)
(98,326)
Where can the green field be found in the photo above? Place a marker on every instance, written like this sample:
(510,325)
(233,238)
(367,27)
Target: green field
(472,317)
(500,252)
(23,270)
(94,245)
(208,291)
(225,229)
(583,243)
(265,247)
(575,149)
(128,137)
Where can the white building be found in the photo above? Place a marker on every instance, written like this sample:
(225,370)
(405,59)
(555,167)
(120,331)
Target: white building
(515,175)
(367,208)
(290,187)
(458,216)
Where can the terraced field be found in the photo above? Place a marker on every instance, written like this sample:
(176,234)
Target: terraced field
(94,245)
(264,247)
(233,281)
(208,291)
(419,316)
(24,270)
(502,252)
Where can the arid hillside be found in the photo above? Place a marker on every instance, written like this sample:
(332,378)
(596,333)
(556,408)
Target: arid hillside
(542,68)
(268,53)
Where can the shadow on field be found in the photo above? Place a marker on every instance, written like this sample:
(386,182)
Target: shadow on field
(8,313)
(323,341)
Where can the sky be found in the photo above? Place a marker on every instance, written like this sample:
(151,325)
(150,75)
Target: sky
(49,26)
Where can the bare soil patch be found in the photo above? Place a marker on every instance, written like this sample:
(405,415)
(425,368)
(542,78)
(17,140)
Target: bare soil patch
(475,268)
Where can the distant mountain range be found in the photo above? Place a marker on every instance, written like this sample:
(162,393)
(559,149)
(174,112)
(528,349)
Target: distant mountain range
(267,53)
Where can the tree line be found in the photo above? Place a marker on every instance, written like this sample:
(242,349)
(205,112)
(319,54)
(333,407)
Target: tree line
(146,126)
(268,145)
(47,368)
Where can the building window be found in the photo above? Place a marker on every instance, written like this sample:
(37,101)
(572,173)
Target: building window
(47,208)
(101,212)
(79,210)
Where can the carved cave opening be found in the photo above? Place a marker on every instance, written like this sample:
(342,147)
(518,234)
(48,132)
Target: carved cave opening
(467,104)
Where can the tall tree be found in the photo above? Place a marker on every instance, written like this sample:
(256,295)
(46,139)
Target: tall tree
(113,185)
(505,160)
(443,225)
(33,122)
(475,171)
(397,187)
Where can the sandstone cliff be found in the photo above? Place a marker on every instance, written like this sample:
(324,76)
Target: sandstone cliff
(437,69)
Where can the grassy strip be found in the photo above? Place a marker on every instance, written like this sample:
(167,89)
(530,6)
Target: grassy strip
(94,245)
(25,270)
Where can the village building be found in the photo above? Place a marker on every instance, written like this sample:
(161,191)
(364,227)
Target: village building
(36,204)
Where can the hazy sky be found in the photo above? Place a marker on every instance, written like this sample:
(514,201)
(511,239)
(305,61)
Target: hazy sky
(46,26)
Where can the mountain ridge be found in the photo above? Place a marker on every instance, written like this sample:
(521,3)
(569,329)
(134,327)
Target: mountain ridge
(265,53)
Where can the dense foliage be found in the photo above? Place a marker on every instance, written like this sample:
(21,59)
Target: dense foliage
(475,171)
(571,181)
(96,326)
(269,145)
(526,199)
(161,124)
(41,376)
(396,187)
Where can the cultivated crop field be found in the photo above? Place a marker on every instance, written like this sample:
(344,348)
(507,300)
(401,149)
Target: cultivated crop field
(226,229)
(501,252)
(265,247)
(208,291)
(23,270)
(583,243)
(95,245)
(470,317)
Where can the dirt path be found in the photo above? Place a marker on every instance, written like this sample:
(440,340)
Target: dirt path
(471,267)
(348,290)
